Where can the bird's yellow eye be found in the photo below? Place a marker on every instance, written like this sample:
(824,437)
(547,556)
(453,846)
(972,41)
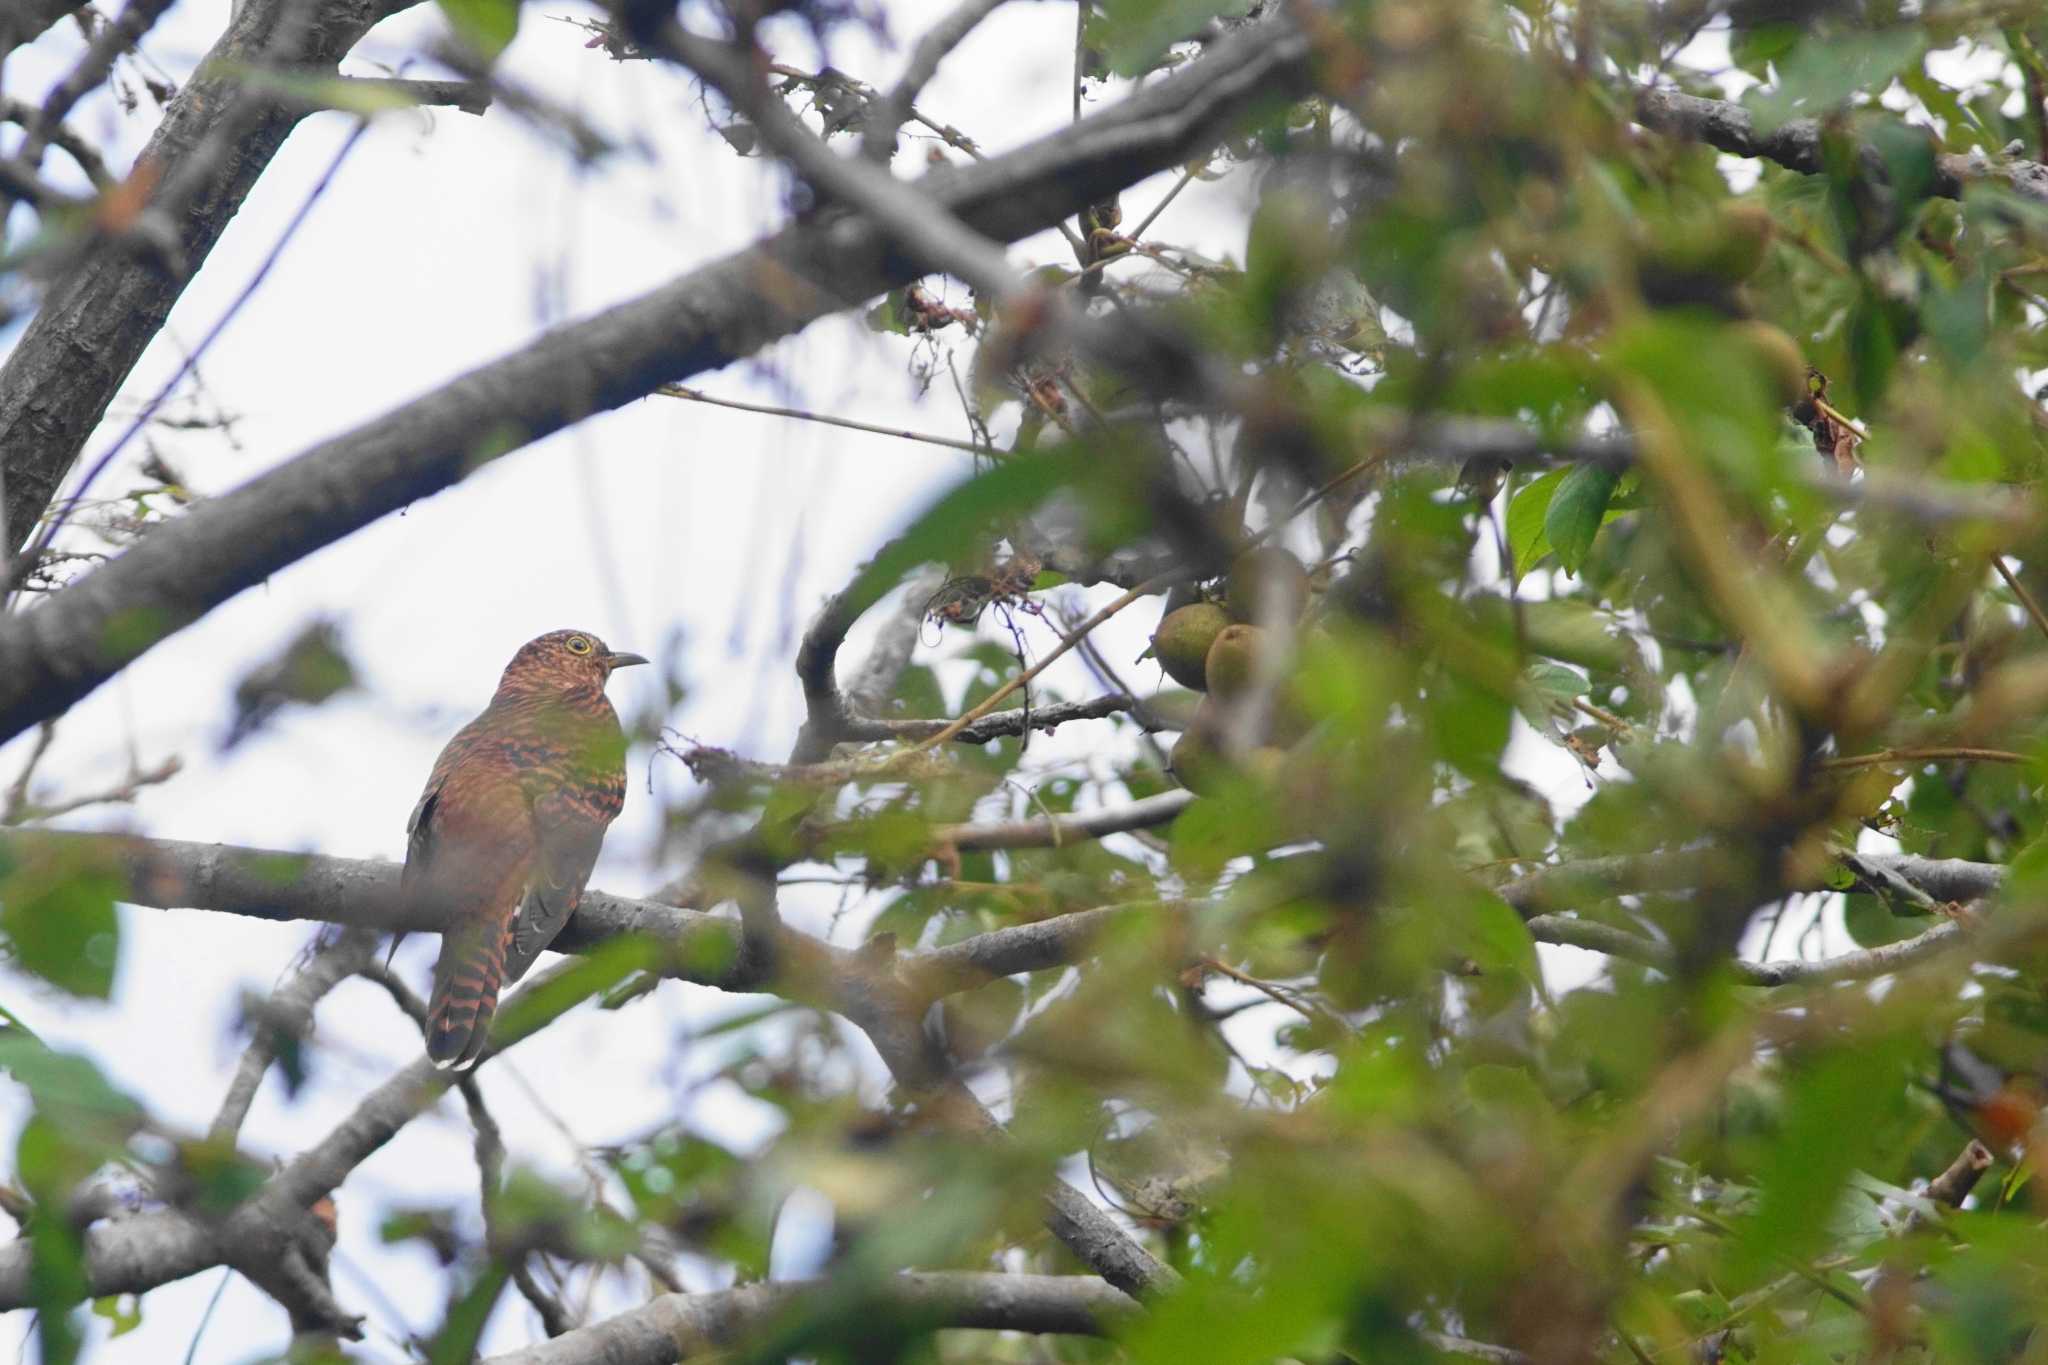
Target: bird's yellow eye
(578,645)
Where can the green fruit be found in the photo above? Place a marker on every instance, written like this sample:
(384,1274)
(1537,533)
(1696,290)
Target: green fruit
(1700,259)
(1777,356)
(1232,660)
(1182,641)
(1269,579)
(1197,763)
(1745,237)
(1265,764)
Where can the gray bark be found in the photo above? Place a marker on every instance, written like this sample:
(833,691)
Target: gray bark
(49,658)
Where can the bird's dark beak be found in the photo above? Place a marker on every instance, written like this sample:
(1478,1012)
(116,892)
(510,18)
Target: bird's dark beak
(617,660)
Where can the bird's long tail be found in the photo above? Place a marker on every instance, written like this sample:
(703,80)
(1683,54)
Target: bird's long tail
(466,980)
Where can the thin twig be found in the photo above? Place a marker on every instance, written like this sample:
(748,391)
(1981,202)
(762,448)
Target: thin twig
(185,367)
(1923,754)
(1072,638)
(1160,207)
(770,410)
(2019,590)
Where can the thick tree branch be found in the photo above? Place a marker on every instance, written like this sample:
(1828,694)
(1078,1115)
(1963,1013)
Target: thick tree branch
(52,656)
(676,1327)
(1062,940)
(278,885)
(1798,144)
(24,21)
(1564,885)
(1054,942)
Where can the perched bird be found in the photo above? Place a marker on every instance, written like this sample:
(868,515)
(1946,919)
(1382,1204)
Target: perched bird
(504,837)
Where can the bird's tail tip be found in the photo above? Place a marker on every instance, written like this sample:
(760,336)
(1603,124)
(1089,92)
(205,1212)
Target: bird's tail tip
(455,1046)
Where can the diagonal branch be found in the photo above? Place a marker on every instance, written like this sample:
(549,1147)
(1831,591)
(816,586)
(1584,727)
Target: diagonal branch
(909,218)
(888,113)
(52,656)
(286,1018)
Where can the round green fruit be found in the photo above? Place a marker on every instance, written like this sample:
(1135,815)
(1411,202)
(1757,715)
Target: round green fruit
(1196,763)
(1182,641)
(1268,579)
(1232,660)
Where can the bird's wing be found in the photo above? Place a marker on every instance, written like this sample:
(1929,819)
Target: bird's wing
(419,836)
(422,828)
(569,821)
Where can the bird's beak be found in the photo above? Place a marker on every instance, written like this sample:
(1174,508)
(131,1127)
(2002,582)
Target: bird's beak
(617,660)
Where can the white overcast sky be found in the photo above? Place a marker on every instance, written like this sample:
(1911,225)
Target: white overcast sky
(447,240)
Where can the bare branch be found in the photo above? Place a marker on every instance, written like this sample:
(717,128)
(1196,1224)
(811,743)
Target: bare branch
(1954,1184)
(56,654)
(81,152)
(288,1015)
(1729,127)
(887,114)
(909,218)
(1561,885)
(997,724)
(876,679)
(278,885)
(674,1327)
(1144,813)
(1054,942)
(26,20)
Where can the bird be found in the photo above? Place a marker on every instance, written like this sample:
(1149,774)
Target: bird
(501,842)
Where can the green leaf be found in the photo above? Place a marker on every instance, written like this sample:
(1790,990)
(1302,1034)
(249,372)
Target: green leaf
(1825,70)
(1555,680)
(888,316)
(1871,923)
(486,25)
(1834,1120)
(1470,722)
(58,915)
(123,1312)
(1528,540)
(1576,512)
(463,1328)
(961,517)
(1133,34)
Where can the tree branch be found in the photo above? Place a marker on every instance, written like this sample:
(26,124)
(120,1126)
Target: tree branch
(288,1015)
(1797,145)
(277,885)
(1053,832)
(908,217)
(997,724)
(24,21)
(675,1327)
(888,113)
(56,654)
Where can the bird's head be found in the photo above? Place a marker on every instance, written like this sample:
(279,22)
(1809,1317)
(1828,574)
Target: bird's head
(564,660)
